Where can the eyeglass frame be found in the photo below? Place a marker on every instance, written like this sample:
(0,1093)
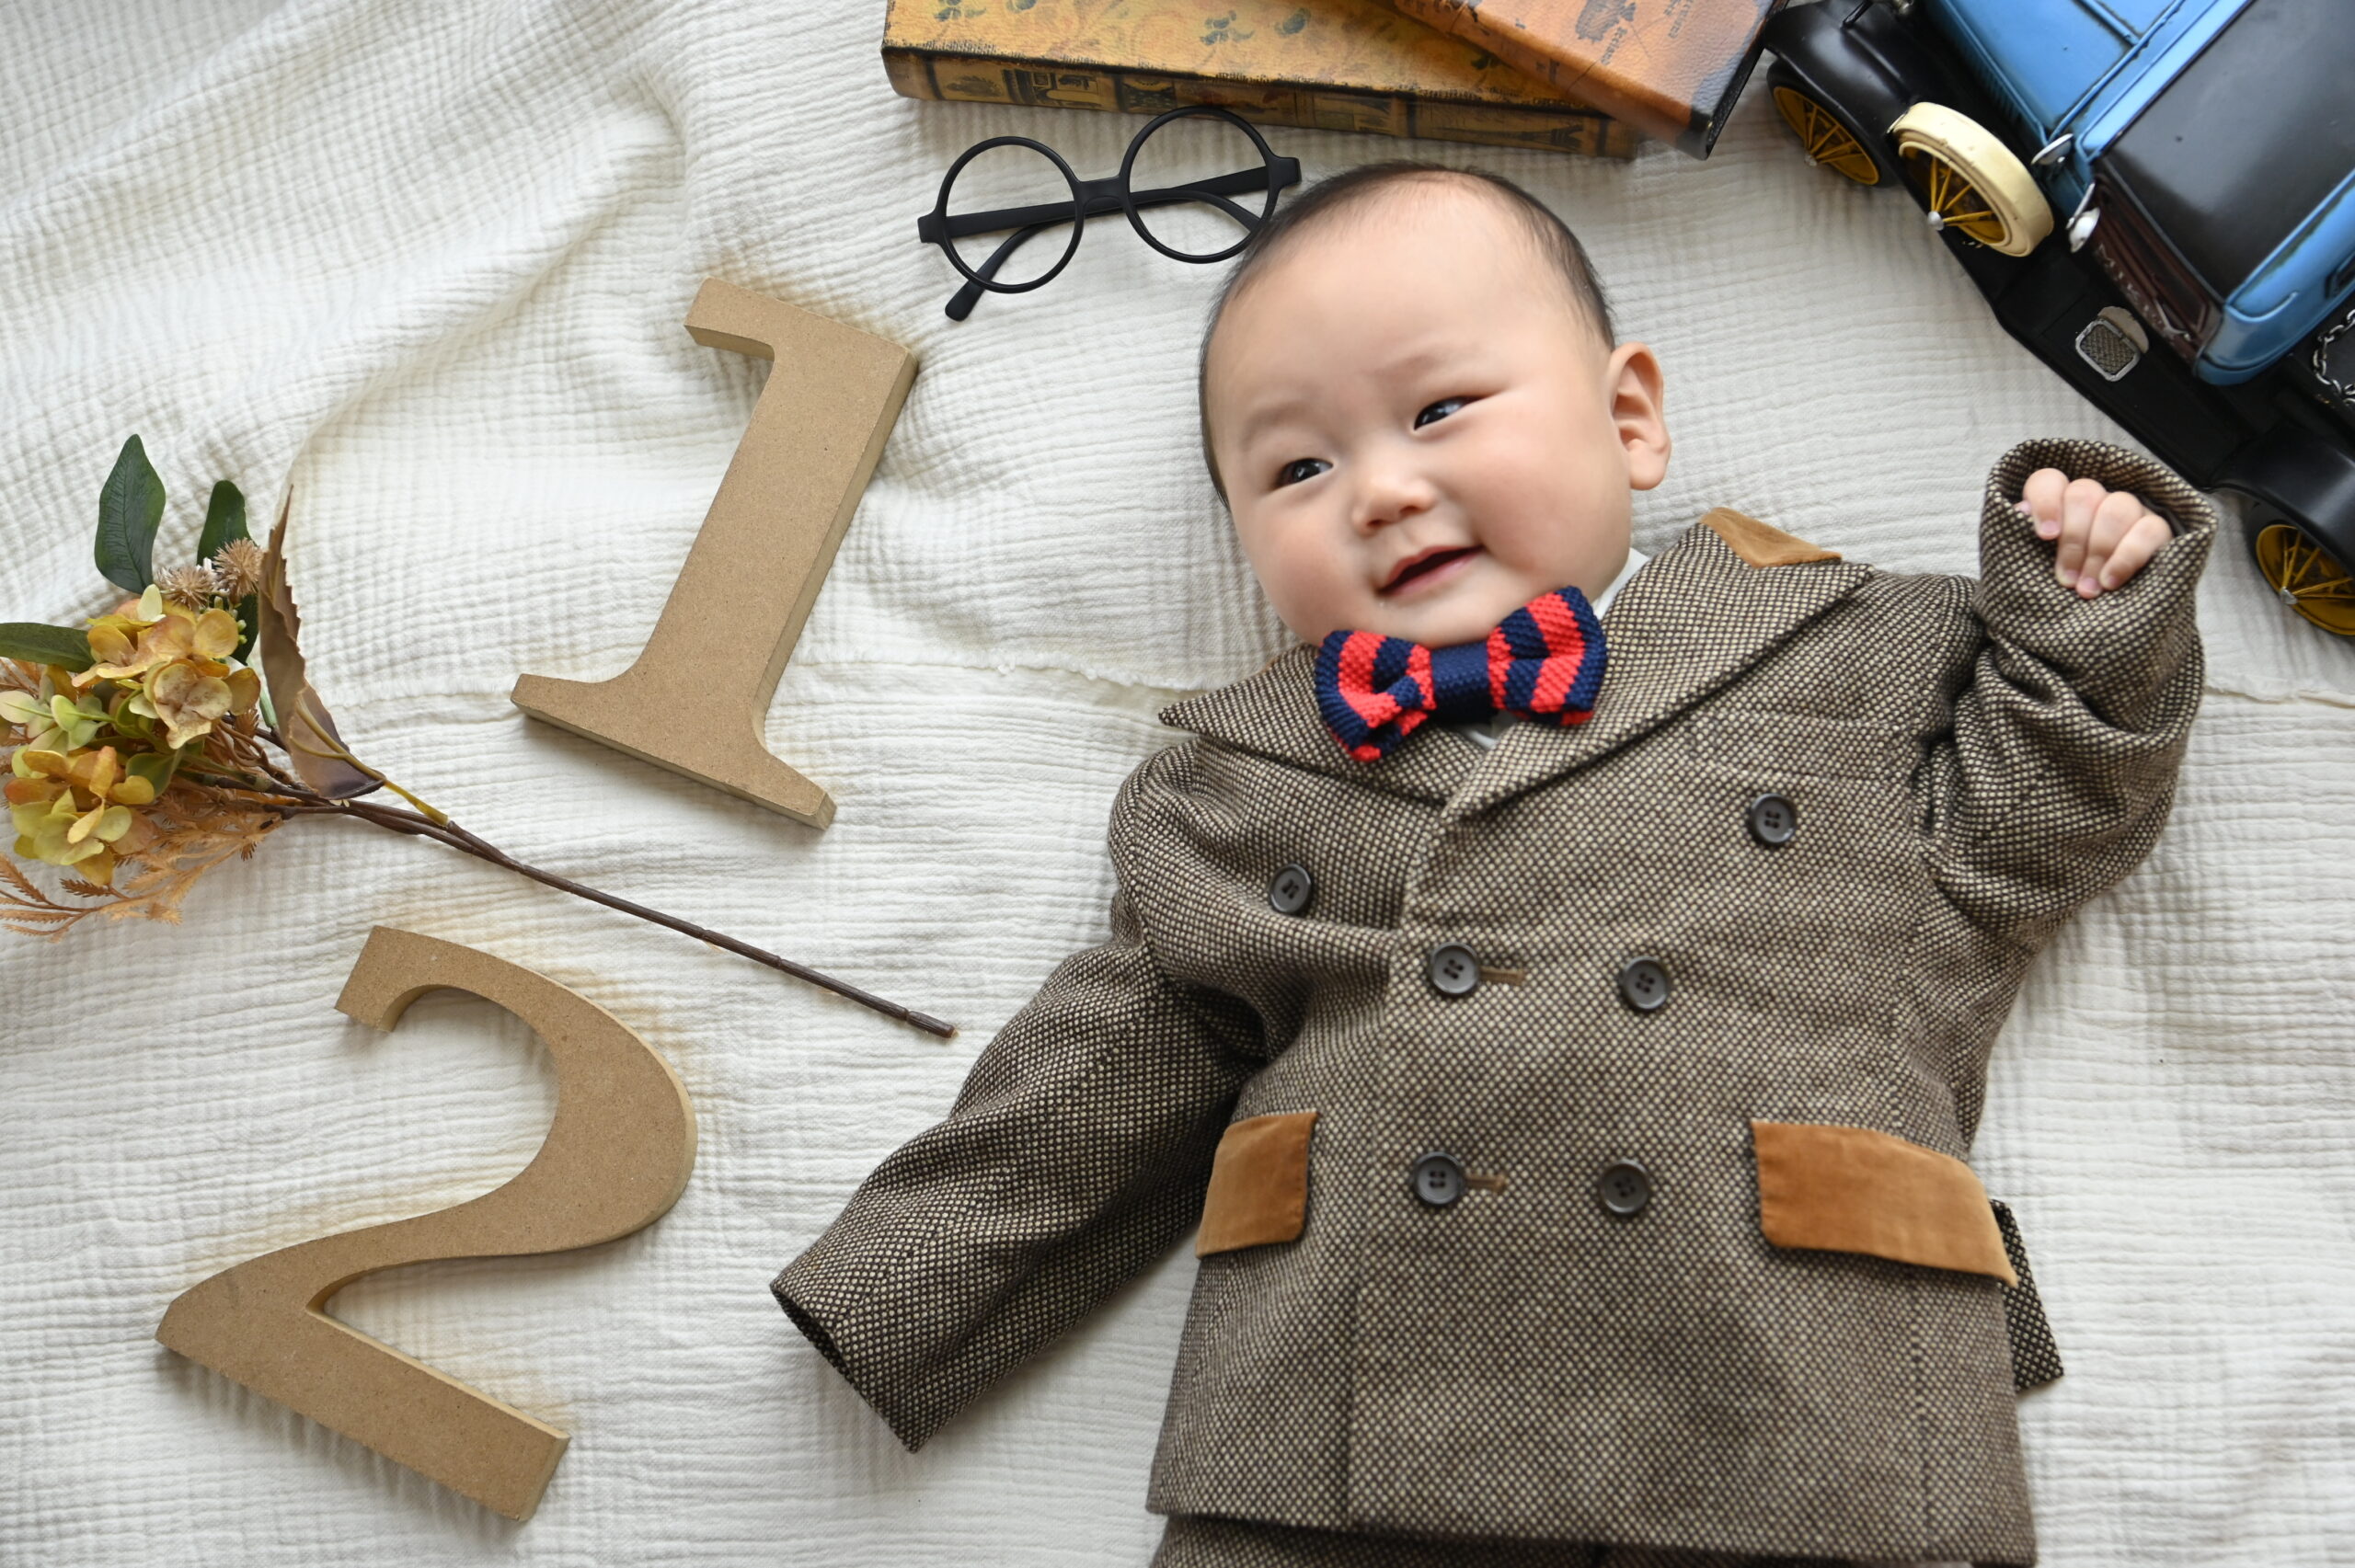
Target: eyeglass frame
(1096,199)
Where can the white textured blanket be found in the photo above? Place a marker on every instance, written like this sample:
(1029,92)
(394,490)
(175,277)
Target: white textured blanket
(440,253)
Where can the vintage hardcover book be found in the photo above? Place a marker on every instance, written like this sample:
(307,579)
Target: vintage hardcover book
(1671,68)
(1327,64)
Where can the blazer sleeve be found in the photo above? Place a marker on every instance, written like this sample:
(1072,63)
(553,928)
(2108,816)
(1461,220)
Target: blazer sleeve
(1076,1154)
(2061,768)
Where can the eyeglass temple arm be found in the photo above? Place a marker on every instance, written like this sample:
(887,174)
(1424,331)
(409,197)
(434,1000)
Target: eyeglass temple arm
(1241,215)
(960,304)
(1283,172)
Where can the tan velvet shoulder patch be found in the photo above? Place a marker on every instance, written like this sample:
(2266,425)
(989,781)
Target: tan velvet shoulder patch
(1259,1190)
(1763,545)
(1850,1189)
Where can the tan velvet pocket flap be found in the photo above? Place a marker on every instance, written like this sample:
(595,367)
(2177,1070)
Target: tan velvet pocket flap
(1258,1189)
(1849,1189)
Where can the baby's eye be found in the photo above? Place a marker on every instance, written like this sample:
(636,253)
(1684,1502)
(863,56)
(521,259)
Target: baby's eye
(1439,410)
(1301,468)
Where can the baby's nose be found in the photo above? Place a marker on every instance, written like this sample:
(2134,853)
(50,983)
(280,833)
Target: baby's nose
(1388,492)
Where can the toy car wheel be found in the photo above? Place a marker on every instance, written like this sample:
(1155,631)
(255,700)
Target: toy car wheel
(1828,140)
(1971,181)
(2306,577)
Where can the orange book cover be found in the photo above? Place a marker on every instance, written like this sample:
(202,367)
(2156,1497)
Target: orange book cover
(1326,64)
(1671,68)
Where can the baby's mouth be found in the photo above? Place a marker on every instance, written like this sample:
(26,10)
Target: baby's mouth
(1415,569)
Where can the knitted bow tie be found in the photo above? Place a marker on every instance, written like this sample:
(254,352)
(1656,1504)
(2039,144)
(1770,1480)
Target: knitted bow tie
(1544,661)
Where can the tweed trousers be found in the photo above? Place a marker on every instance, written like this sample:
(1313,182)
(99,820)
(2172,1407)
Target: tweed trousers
(1201,1540)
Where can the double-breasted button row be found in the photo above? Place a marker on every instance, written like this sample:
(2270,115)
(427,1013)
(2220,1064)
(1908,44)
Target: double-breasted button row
(1454,969)
(1624,1187)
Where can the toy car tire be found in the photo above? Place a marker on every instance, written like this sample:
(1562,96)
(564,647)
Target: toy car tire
(2305,575)
(1825,134)
(1842,71)
(1973,181)
(2300,521)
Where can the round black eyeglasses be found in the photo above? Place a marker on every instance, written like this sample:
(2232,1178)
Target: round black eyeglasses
(1097,197)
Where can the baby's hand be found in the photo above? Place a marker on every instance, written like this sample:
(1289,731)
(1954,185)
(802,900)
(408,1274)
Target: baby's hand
(2106,535)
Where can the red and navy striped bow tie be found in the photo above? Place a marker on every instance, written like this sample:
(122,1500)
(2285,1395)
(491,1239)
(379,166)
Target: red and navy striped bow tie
(1544,661)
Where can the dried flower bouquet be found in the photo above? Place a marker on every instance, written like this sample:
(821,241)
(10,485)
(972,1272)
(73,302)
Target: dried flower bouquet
(181,729)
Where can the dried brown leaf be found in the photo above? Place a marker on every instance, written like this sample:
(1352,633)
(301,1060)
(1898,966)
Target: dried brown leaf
(303,723)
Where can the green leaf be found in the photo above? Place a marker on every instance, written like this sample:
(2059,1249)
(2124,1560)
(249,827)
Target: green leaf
(224,519)
(36,644)
(130,506)
(155,767)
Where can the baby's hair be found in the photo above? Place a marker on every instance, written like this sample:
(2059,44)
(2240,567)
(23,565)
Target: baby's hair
(1337,193)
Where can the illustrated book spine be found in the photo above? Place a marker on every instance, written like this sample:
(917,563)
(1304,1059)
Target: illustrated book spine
(1327,66)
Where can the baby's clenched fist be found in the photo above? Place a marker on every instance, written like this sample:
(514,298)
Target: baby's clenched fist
(2105,536)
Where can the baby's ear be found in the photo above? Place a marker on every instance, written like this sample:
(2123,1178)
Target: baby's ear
(1632,384)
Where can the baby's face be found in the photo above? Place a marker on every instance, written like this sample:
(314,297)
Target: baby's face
(1418,429)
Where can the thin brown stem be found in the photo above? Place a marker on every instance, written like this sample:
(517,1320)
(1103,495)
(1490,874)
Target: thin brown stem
(458,838)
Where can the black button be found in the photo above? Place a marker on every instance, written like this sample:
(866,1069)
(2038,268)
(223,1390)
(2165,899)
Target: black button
(1624,1187)
(1643,984)
(1289,892)
(1438,1180)
(1773,820)
(1452,969)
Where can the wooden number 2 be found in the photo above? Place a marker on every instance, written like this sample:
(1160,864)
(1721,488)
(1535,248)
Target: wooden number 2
(616,1158)
(697,699)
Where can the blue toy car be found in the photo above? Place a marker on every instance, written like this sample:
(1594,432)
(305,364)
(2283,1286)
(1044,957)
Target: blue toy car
(2205,149)
(2112,172)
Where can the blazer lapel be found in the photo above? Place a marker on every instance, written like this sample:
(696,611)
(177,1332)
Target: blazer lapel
(1690,620)
(1693,618)
(1274,713)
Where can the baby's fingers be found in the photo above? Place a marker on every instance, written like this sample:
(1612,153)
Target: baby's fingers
(2080,503)
(2040,499)
(2141,541)
(2114,517)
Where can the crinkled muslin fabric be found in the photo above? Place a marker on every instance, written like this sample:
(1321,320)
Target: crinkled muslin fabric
(428,265)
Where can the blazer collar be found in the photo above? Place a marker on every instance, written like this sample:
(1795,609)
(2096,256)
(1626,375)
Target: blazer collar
(1691,619)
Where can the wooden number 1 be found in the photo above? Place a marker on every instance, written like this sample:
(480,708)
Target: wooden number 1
(615,1160)
(697,699)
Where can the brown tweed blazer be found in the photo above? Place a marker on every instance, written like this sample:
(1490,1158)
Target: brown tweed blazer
(1711,1271)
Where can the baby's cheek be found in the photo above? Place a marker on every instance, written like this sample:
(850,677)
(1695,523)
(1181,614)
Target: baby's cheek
(1308,581)
(1546,546)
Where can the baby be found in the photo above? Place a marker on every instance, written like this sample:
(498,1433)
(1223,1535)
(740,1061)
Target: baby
(1557,992)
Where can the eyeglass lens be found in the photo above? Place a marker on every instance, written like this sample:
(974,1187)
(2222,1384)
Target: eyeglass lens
(1199,183)
(1001,179)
